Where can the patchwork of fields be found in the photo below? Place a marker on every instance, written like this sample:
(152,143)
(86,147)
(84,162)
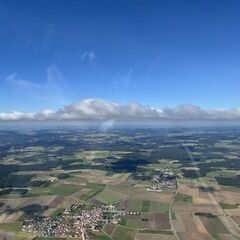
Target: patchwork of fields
(45,174)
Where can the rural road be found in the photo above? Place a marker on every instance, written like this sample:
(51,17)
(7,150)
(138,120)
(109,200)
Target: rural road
(228,222)
(170,209)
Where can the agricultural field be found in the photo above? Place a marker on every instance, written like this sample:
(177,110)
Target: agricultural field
(47,174)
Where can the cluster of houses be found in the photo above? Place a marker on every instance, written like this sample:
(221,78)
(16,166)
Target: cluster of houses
(72,223)
(162,179)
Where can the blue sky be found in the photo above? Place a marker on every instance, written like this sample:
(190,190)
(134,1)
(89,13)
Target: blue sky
(156,53)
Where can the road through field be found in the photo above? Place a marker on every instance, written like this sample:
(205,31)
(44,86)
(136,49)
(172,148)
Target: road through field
(228,222)
(170,208)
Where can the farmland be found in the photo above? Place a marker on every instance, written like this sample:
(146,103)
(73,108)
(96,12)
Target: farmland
(52,173)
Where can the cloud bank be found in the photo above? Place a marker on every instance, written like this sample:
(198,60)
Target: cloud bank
(101,110)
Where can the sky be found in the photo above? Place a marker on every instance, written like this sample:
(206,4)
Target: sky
(103,57)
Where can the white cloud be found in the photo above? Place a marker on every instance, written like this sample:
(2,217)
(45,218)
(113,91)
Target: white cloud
(109,112)
(15,115)
(88,56)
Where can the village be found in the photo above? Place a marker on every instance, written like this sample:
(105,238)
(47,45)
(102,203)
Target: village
(74,222)
(161,180)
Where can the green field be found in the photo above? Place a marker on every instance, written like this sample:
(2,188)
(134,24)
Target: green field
(58,212)
(183,198)
(11,227)
(38,191)
(123,233)
(158,207)
(135,223)
(145,206)
(51,238)
(214,225)
(156,232)
(228,206)
(138,205)
(94,189)
(99,236)
(65,189)
(110,195)
(135,205)
(59,190)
